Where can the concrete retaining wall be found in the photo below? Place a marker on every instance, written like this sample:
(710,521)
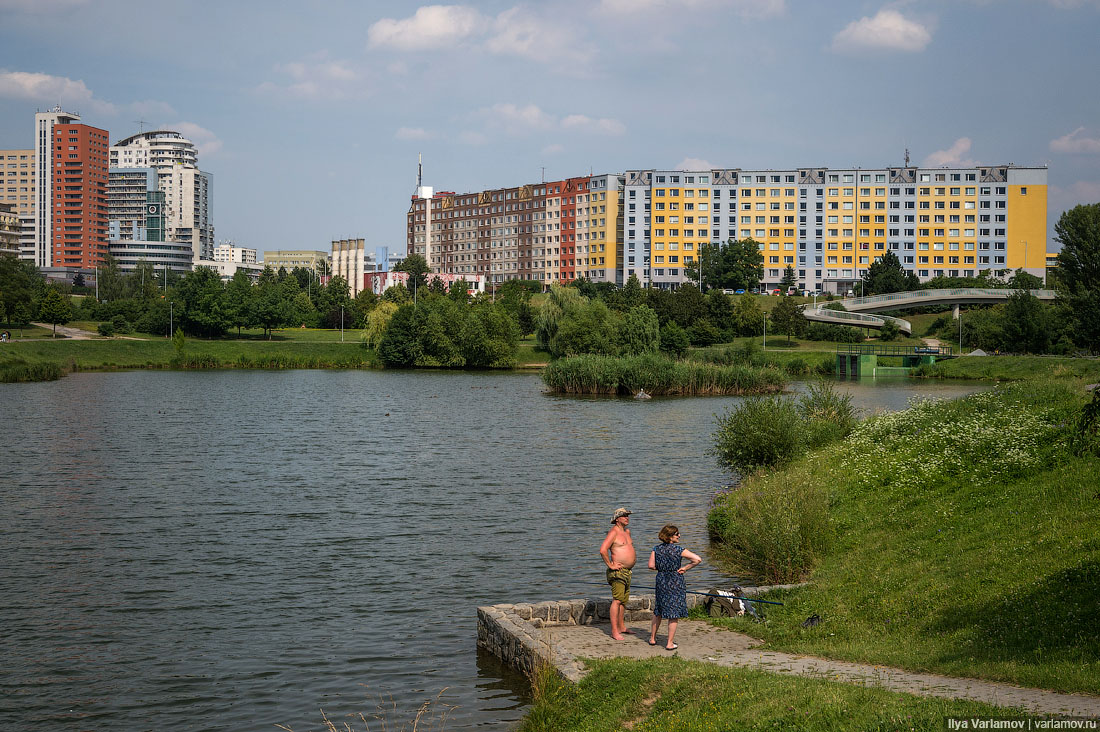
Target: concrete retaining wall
(517,633)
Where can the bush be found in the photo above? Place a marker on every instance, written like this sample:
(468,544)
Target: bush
(106,329)
(830,416)
(833,332)
(760,432)
(775,531)
(674,340)
(889,331)
(658,375)
(121,325)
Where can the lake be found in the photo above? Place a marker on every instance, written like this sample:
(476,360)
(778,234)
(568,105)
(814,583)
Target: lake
(232,550)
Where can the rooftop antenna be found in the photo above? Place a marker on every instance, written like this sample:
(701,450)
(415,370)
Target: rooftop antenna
(543,173)
(141,125)
(906,157)
(419,170)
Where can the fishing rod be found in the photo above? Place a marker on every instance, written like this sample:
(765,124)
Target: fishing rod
(704,594)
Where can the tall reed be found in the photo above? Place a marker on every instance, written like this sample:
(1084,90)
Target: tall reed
(658,376)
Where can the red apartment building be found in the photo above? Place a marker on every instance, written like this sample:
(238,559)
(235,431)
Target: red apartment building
(79,195)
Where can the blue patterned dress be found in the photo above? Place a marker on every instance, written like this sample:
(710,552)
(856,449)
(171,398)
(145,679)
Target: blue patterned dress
(671,590)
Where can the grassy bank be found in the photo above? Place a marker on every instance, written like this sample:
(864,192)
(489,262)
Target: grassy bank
(109,354)
(962,541)
(658,375)
(1013,368)
(683,696)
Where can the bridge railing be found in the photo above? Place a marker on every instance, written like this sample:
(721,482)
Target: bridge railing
(875,349)
(947,293)
(872,321)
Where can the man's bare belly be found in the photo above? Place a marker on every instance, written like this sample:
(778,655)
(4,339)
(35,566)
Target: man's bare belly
(624,555)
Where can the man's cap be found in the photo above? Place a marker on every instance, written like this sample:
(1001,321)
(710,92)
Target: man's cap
(619,513)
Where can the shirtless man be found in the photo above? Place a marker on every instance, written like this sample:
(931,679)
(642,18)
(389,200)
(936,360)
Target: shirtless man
(617,551)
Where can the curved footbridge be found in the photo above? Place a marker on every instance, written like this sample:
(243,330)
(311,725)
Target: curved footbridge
(858,311)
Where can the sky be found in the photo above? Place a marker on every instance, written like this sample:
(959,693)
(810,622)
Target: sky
(311,114)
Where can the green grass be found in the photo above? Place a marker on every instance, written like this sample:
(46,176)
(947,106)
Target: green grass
(527,356)
(29,331)
(1014,368)
(964,542)
(685,696)
(118,353)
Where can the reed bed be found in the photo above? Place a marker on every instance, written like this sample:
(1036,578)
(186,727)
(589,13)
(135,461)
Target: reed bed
(658,376)
(18,373)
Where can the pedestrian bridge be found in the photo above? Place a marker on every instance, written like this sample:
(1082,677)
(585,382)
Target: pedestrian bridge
(857,310)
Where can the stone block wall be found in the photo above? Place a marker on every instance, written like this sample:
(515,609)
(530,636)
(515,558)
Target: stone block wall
(515,633)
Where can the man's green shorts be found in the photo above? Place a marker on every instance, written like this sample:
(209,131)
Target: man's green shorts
(619,579)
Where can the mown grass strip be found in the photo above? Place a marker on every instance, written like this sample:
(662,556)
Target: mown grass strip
(672,695)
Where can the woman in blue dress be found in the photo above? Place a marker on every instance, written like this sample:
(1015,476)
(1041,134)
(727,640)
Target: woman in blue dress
(671,592)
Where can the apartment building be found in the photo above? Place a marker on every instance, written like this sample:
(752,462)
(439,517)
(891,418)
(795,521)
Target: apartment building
(71,189)
(829,225)
(188,191)
(291,258)
(136,223)
(9,230)
(542,231)
(17,188)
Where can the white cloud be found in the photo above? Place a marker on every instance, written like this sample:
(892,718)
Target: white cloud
(1076,143)
(604,125)
(695,164)
(431,26)
(205,140)
(518,32)
(519,120)
(952,156)
(412,133)
(889,30)
(72,95)
(554,149)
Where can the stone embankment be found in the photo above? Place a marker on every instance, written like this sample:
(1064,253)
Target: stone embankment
(521,636)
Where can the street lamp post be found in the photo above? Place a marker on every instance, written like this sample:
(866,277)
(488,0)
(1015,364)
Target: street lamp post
(765,331)
(341,323)
(1025,253)
(171,318)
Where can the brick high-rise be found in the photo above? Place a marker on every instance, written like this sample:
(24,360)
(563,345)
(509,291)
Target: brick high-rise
(71,191)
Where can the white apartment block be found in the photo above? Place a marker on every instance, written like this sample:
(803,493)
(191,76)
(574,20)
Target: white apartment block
(188,191)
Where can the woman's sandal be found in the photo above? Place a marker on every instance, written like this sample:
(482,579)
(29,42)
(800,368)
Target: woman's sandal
(652,642)
(673,647)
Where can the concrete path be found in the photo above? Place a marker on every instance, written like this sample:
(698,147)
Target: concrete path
(74,333)
(700,641)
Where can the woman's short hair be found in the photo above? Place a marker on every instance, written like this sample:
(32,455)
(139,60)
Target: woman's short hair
(666,533)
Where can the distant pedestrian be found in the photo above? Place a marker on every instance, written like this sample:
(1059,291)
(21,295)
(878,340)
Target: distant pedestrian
(671,603)
(5,337)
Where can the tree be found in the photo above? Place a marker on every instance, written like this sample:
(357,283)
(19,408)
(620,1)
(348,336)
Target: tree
(459,291)
(18,280)
(238,299)
(887,275)
(748,318)
(787,318)
(111,284)
(1079,271)
(78,279)
(55,309)
(1022,280)
(377,320)
(399,345)
(417,268)
(789,279)
(632,292)
(552,312)
(674,340)
(268,308)
(1027,325)
(201,307)
(740,265)
(639,332)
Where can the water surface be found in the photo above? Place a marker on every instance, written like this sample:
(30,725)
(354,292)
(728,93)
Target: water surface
(235,549)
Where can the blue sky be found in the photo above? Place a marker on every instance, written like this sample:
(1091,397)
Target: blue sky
(311,114)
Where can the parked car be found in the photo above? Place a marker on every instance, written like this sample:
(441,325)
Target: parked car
(849,293)
(776,291)
(739,292)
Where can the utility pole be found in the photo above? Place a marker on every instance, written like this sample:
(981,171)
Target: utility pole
(341,323)
(765,331)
